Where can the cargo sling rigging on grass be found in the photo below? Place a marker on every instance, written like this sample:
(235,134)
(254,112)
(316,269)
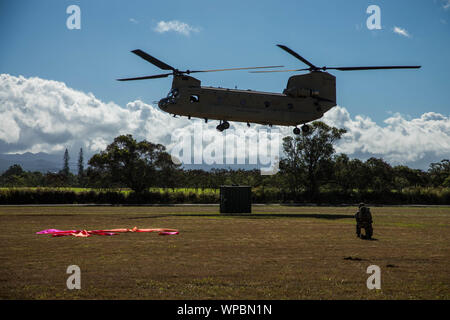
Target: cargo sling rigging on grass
(108,232)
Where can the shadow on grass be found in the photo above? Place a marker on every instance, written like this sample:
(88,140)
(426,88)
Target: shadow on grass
(371,239)
(253,216)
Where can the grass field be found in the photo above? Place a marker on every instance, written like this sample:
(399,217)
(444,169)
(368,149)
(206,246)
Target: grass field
(278,252)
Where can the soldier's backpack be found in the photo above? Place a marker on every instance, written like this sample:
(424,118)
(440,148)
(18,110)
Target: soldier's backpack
(365,214)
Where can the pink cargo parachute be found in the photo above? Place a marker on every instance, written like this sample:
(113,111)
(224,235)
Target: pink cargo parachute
(109,232)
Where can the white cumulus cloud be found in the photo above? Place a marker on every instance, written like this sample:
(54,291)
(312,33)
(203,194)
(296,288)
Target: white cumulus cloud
(44,115)
(176,26)
(414,142)
(401,32)
(39,115)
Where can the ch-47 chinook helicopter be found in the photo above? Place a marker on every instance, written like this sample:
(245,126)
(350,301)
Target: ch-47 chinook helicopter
(306,97)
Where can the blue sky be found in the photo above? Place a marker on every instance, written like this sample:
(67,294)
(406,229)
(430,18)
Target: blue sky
(36,42)
(403,109)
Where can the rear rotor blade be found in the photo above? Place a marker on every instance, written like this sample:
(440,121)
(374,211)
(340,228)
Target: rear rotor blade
(279,70)
(344,68)
(230,69)
(295,54)
(152,60)
(372,68)
(146,77)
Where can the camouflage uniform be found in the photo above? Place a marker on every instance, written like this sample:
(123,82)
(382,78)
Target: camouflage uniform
(364,220)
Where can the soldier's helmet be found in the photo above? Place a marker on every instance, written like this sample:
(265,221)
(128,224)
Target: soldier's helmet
(361,205)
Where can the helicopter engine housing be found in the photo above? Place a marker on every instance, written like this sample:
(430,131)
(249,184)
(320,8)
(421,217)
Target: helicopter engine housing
(316,84)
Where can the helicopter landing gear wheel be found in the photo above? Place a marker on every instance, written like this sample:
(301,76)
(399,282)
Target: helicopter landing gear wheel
(223,126)
(296,131)
(306,129)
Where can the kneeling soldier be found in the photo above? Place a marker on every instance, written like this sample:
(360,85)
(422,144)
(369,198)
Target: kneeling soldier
(364,220)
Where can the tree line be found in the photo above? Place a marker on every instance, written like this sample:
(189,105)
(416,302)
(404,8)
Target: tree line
(309,168)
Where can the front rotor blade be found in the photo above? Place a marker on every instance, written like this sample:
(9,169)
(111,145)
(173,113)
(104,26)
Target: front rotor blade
(146,77)
(295,54)
(153,60)
(230,69)
(372,68)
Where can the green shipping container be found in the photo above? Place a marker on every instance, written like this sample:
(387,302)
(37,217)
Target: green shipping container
(235,199)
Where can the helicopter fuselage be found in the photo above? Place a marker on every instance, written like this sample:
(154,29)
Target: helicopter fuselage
(306,98)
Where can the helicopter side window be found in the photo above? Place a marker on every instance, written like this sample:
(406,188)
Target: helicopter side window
(194,98)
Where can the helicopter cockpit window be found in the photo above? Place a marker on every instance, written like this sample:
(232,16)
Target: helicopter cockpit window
(194,98)
(173,95)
